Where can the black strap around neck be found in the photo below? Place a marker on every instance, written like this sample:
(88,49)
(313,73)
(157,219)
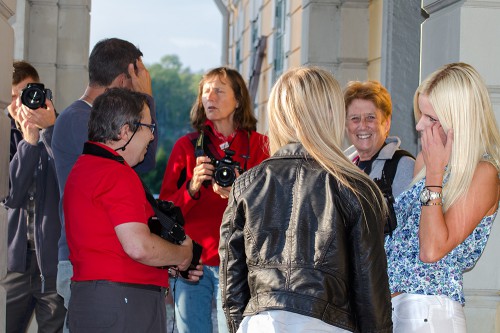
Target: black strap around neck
(199,149)
(90,148)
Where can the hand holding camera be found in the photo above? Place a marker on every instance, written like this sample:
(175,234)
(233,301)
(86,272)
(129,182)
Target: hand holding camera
(223,172)
(33,120)
(168,223)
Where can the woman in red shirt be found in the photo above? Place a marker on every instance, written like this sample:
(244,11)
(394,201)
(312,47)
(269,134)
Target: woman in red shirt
(224,122)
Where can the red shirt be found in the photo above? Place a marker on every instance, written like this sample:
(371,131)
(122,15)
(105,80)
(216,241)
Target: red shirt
(100,194)
(203,216)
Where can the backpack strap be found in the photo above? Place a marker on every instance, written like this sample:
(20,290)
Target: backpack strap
(391,166)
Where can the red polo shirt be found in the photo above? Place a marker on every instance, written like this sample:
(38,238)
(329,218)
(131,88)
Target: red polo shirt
(100,194)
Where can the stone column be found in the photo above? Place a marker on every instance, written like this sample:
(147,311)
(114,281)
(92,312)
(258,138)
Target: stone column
(335,36)
(40,43)
(54,37)
(400,67)
(468,31)
(73,35)
(7,10)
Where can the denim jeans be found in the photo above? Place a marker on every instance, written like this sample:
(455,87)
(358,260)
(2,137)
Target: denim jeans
(64,275)
(193,303)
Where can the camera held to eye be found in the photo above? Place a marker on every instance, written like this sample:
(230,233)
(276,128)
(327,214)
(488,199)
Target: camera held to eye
(224,174)
(35,95)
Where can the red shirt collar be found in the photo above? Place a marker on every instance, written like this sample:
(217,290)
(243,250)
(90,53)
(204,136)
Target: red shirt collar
(218,134)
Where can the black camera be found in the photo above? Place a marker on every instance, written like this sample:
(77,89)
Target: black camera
(224,174)
(35,95)
(168,223)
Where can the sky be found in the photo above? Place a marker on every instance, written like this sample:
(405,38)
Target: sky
(191,29)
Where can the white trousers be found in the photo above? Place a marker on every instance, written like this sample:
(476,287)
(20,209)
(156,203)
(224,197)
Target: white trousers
(427,314)
(276,321)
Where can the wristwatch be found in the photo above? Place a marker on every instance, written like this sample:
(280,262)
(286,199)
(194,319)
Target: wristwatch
(427,195)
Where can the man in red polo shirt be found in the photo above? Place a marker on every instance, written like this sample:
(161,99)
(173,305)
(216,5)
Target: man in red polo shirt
(117,284)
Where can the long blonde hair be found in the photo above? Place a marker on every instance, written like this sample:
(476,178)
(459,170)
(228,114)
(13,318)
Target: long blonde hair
(460,99)
(306,105)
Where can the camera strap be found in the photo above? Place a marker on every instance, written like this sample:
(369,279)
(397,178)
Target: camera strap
(199,148)
(205,147)
(175,230)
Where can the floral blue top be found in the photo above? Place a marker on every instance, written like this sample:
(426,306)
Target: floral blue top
(410,275)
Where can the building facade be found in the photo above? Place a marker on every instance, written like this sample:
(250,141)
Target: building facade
(394,41)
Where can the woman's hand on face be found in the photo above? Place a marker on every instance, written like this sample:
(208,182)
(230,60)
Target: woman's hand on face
(436,148)
(202,171)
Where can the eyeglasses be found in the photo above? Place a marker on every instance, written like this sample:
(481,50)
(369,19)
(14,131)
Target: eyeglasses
(150,126)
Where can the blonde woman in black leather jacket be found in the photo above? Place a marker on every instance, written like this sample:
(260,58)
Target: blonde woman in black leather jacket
(301,239)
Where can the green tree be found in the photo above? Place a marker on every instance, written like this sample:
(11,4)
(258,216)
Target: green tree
(174,89)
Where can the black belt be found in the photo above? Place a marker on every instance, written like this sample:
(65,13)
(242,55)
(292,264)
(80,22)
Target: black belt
(149,287)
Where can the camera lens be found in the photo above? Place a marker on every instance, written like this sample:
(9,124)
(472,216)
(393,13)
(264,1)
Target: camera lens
(224,176)
(33,96)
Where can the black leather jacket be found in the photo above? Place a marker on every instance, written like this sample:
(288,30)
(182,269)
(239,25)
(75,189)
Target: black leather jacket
(292,239)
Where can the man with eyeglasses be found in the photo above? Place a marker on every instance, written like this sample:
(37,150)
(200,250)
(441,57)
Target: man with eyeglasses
(119,282)
(112,63)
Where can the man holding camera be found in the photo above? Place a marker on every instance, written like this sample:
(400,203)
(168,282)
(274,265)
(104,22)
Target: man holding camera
(33,220)
(118,279)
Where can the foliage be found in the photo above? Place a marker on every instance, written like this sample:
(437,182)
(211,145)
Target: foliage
(174,89)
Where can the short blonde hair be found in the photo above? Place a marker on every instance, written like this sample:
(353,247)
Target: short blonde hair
(460,99)
(372,91)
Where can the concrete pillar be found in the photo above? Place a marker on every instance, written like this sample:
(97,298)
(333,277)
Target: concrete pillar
(335,36)
(400,67)
(73,37)
(40,47)
(468,31)
(7,10)
(53,35)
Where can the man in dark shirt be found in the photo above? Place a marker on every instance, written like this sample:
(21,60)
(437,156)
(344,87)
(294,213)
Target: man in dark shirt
(33,220)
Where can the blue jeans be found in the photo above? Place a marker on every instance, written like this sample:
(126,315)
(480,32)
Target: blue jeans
(193,303)
(64,275)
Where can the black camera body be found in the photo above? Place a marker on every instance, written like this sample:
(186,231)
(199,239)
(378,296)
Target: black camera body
(35,95)
(175,234)
(224,174)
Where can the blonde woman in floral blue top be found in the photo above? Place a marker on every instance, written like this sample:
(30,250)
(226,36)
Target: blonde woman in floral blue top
(445,218)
